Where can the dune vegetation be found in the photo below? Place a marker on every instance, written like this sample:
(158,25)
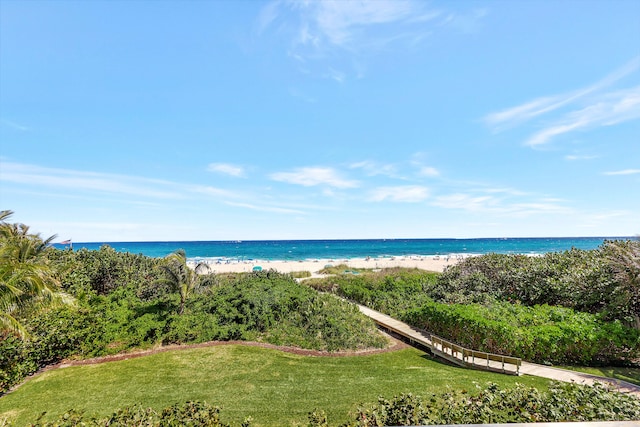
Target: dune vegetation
(55,305)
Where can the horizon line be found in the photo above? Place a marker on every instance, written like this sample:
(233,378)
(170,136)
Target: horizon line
(631,237)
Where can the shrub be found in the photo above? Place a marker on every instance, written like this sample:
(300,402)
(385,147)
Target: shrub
(563,402)
(192,414)
(543,334)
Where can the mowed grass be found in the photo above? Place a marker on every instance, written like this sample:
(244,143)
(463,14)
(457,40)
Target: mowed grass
(273,387)
(631,375)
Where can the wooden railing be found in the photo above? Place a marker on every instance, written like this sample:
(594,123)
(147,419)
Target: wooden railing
(476,359)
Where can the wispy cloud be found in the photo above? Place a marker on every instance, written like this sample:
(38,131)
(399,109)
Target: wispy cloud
(373,168)
(592,220)
(13,125)
(582,109)
(502,190)
(500,206)
(65,179)
(342,23)
(227,169)
(273,209)
(405,193)
(313,176)
(212,191)
(623,172)
(323,30)
(609,109)
(418,161)
(465,202)
(577,157)
(428,171)
(336,75)
(87,185)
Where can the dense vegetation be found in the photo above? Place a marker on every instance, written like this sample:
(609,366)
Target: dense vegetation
(580,307)
(605,280)
(123,301)
(575,307)
(27,284)
(562,402)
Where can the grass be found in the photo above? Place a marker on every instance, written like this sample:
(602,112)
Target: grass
(273,387)
(343,269)
(631,375)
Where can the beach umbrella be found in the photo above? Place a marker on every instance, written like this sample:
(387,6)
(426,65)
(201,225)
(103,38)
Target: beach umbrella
(257,268)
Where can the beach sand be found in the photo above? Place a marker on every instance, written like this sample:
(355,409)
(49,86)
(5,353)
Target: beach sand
(429,263)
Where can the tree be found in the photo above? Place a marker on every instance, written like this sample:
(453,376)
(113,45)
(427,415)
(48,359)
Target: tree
(624,258)
(180,277)
(27,283)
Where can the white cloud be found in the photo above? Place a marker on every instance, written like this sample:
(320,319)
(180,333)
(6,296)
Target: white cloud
(372,168)
(592,220)
(465,23)
(623,172)
(339,22)
(607,110)
(313,176)
(543,206)
(268,15)
(89,185)
(428,171)
(273,209)
(336,75)
(322,30)
(582,109)
(465,202)
(522,113)
(227,169)
(575,157)
(212,191)
(532,109)
(500,206)
(406,193)
(508,191)
(65,179)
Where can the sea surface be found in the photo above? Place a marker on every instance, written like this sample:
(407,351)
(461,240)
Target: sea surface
(296,250)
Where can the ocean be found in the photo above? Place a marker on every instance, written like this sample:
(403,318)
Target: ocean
(297,250)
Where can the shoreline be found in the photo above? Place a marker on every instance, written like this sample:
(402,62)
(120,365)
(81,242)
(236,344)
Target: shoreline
(435,263)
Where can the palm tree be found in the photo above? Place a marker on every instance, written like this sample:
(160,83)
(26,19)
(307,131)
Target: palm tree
(180,277)
(26,281)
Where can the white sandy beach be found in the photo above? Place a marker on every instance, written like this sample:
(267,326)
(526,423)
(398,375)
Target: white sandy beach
(429,263)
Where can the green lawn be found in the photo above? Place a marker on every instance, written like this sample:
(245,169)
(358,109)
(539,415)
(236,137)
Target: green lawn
(631,375)
(273,387)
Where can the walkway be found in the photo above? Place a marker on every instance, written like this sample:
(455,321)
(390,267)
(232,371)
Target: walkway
(424,339)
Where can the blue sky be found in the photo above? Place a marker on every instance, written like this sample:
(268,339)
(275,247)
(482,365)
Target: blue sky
(218,120)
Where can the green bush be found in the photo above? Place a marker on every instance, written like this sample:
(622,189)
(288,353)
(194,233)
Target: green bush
(192,414)
(604,280)
(390,290)
(104,270)
(55,335)
(563,402)
(543,334)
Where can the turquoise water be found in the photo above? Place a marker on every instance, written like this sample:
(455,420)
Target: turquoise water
(296,250)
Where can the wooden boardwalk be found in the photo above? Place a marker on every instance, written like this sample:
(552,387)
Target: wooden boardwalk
(487,361)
